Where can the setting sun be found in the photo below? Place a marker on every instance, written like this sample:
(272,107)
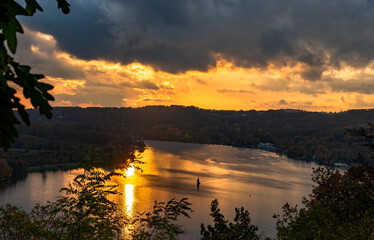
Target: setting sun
(130,171)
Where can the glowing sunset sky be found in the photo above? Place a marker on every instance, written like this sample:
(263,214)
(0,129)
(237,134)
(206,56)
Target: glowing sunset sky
(220,54)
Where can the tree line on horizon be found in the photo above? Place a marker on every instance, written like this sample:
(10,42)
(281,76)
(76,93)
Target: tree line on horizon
(54,146)
(310,136)
(74,134)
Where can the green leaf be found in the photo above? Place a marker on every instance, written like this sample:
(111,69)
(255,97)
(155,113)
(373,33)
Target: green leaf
(9,24)
(64,6)
(10,35)
(21,111)
(11,9)
(44,87)
(32,6)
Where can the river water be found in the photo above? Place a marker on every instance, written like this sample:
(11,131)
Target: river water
(260,181)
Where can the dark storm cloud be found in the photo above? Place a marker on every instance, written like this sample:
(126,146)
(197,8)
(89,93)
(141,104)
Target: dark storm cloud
(183,35)
(83,32)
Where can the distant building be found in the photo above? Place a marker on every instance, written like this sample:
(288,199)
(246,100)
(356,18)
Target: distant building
(341,165)
(266,146)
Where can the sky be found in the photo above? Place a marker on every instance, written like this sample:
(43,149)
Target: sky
(315,55)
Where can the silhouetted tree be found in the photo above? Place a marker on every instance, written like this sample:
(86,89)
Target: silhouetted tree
(85,211)
(341,205)
(241,228)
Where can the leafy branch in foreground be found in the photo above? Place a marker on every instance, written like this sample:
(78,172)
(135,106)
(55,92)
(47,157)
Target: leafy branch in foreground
(19,75)
(159,224)
(85,211)
(341,206)
(241,228)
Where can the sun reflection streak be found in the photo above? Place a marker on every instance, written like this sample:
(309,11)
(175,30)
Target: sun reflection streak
(129,195)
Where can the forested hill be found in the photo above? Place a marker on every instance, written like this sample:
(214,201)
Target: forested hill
(298,134)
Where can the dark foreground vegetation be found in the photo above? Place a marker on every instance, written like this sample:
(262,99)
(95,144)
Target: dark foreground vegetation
(85,212)
(311,136)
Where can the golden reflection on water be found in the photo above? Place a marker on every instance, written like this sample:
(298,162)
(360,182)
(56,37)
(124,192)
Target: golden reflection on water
(126,199)
(129,196)
(133,187)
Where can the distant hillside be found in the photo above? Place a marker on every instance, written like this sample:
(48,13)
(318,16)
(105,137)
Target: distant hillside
(297,134)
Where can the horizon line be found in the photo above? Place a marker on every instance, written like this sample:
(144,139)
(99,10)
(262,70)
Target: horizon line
(208,109)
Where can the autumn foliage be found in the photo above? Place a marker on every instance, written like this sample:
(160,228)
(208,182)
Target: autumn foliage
(341,206)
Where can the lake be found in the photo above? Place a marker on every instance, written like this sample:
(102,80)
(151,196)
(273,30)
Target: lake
(258,180)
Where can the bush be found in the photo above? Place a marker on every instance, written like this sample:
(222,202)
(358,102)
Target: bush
(241,228)
(341,206)
(85,212)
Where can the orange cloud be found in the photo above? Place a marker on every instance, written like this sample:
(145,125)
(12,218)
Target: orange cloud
(65,86)
(95,83)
